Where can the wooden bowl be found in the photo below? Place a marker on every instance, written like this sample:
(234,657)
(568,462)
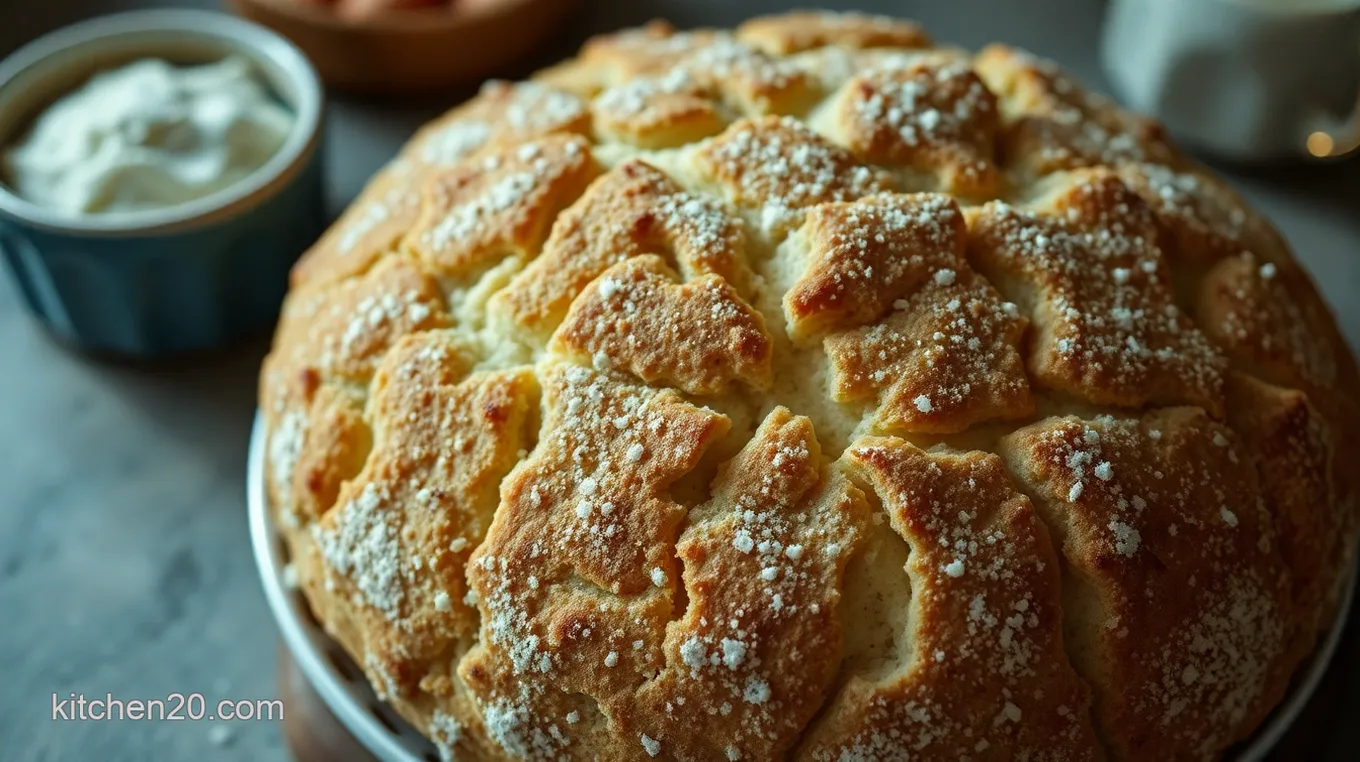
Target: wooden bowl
(412,50)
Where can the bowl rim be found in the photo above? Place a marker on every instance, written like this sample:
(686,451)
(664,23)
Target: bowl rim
(402,21)
(260,45)
(389,737)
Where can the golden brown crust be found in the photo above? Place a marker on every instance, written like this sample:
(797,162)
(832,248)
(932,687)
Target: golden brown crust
(631,210)
(1300,408)
(1177,600)
(864,255)
(658,113)
(334,333)
(948,358)
(1106,323)
(536,433)
(1051,123)
(344,330)
(699,337)
(804,30)
(569,572)
(709,82)
(983,675)
(369,229)
(745,662)
(652,48)
(1293,451)
(909,322)
(499,205)
(1202,219)
(932,115)
(501,114)
(336,445)
(385,567)
(1267,317)
(777,168)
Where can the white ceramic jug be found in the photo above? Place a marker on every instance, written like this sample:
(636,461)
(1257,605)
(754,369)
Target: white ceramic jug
(1242,79)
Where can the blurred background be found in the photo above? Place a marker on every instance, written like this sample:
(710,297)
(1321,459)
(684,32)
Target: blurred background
(124,560)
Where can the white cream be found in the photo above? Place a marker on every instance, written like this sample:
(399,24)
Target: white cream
(149,135)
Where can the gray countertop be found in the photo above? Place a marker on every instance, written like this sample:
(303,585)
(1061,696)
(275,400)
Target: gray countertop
(124,561)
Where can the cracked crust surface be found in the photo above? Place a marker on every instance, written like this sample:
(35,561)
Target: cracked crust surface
(699,337)
(1185,649)
(1106,325)
(988,676)
(502,114)
(631,210)
(931,115)
(811,392)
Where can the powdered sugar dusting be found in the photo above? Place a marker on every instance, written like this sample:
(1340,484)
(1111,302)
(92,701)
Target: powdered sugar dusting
(445,731)
(485,207)
(453,143)
(735,666)
(362,544)
(780,167)
(632,210)
(700,337)
(285,445)
(1065,125)
(599,536)
(974,541)
(469,219)
(1184,499)
(393,204)
(632,589)
(932,114)
(1118,339)
(946,355)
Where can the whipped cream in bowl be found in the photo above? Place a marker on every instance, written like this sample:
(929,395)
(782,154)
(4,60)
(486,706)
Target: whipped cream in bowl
(160,172)
(149,135)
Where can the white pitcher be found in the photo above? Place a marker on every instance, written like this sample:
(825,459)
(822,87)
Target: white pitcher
(1243,79)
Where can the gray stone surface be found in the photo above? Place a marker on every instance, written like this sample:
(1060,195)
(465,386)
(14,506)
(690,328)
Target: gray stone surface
(124,561)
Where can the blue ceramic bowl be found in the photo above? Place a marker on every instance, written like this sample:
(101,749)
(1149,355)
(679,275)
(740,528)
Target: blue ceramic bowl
(188,277)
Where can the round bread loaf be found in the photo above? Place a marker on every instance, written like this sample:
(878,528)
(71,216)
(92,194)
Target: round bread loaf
(811,392)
